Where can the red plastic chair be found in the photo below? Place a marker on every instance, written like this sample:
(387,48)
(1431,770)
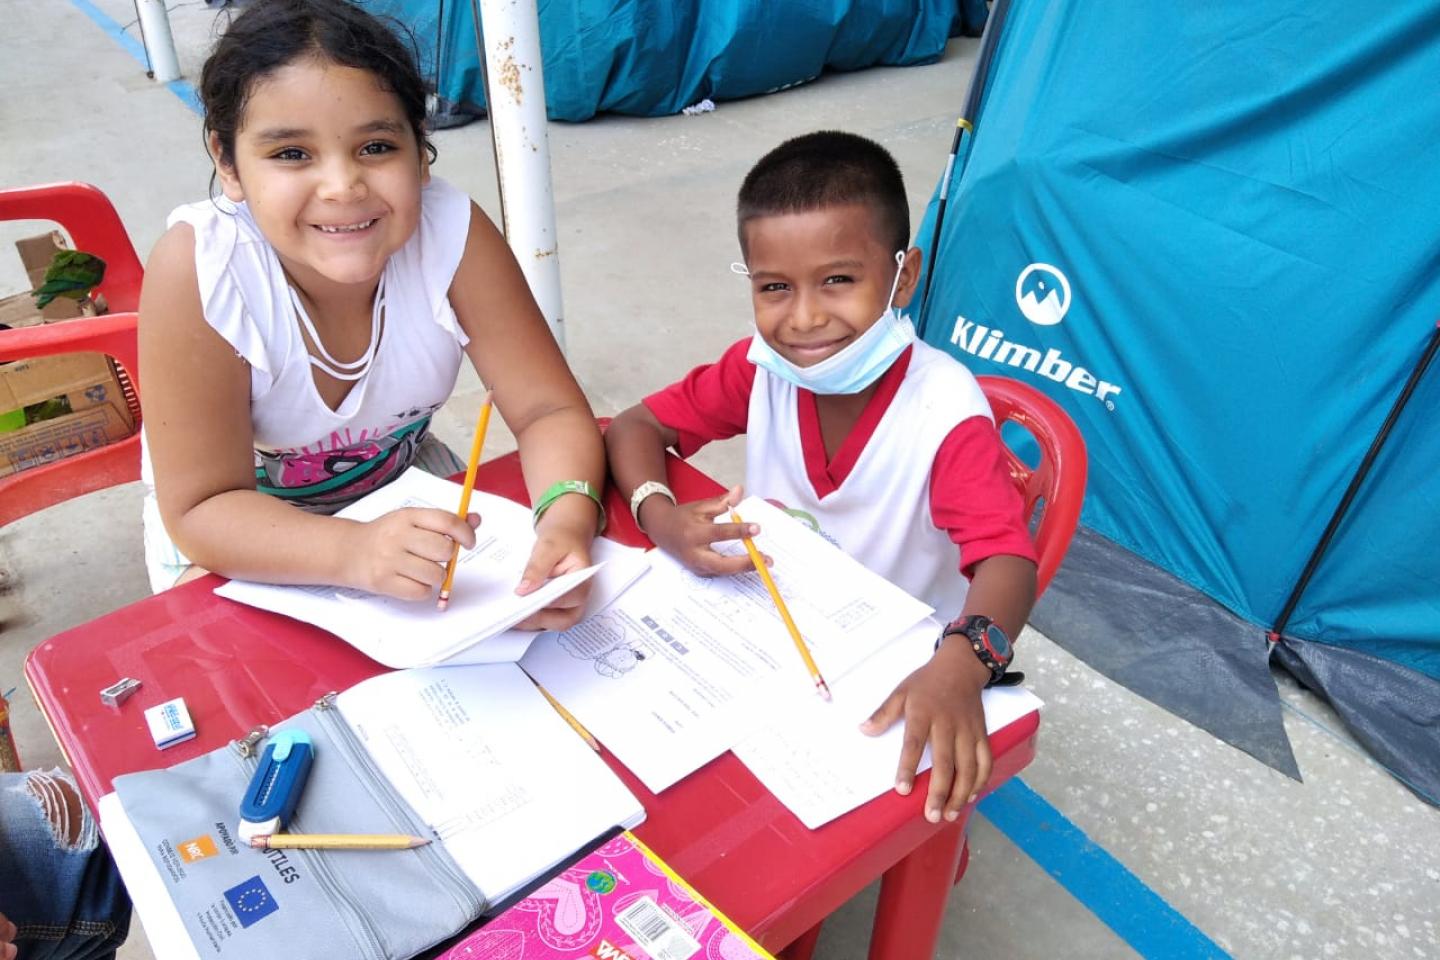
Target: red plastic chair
(90,219)
(1055,488)
(1058,481)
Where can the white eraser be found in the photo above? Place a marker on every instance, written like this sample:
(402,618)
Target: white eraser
(169,723)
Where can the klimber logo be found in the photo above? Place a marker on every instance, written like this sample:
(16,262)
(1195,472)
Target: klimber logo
(1042,293)
(251,901)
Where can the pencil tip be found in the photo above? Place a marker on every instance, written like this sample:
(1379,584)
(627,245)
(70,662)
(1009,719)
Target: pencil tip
(823,690)
(417,842)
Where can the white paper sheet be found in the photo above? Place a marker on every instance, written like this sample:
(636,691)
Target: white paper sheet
(812,756)
(485,760)
(400,633)
(680,667)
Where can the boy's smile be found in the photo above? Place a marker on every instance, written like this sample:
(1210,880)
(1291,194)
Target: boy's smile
(331,170)
(821,278)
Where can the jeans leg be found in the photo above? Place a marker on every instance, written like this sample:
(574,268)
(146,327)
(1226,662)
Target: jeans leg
(58,884)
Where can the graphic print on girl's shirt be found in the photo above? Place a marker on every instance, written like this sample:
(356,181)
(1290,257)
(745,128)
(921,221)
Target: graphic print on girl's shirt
(344,466)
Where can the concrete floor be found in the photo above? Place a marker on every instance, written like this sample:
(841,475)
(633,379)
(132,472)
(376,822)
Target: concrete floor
(1151,837)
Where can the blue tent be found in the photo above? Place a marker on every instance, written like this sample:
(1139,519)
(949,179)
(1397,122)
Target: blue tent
(655,57)
(1212,233)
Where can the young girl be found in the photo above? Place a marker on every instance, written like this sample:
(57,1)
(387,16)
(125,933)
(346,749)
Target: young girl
(298,334)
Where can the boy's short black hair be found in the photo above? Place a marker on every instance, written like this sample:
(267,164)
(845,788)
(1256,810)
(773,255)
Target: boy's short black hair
(823,169)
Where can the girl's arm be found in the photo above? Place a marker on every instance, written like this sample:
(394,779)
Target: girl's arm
(196,406)
(516,356)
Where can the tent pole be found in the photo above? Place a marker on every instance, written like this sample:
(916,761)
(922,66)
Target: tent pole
(507,33)
(1429,354)
(989,40)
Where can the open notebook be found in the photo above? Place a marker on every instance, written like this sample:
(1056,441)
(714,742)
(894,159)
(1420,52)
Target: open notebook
(475,757)
(484,605)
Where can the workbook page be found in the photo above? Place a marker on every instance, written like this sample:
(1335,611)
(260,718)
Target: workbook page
(407,633)
(680,666)
(812,756)
(482,757)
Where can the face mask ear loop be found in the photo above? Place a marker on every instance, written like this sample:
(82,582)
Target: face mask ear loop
(739,269)
(894,284)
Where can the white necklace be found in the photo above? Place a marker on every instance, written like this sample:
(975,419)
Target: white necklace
(328,364)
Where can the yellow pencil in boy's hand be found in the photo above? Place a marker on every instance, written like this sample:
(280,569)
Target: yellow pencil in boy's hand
(481,426)
(821,687)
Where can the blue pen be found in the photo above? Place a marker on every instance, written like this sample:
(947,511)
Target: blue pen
(275,788)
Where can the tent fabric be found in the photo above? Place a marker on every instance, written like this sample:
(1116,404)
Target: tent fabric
(1181,649)
(655,57)
(1209,231)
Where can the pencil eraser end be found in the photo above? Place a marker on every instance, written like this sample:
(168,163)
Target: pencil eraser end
(169,723)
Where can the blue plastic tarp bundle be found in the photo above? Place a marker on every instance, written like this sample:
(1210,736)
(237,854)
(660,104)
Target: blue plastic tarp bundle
(655,57)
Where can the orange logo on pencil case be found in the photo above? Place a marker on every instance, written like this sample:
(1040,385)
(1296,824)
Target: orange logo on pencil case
(197,849)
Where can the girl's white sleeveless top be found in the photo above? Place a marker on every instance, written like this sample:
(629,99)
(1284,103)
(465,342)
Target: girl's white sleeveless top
(306,453)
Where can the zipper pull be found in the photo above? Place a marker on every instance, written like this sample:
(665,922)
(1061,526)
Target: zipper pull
(326,702)
(248,745)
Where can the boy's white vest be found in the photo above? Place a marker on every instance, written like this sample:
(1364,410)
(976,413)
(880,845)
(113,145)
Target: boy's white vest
(880,514)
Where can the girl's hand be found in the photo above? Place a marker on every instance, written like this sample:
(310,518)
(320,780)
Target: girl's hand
(686,532)
(562,545)
(940,704)
(404,553)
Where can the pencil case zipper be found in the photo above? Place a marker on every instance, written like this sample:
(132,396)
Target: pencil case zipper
(445,871)
(247,750)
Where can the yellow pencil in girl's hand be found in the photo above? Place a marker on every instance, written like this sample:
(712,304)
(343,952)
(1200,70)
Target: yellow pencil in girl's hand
(481,426)
(821,687)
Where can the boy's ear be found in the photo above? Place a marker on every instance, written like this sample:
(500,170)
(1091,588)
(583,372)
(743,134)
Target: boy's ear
(229,179)
(910,269)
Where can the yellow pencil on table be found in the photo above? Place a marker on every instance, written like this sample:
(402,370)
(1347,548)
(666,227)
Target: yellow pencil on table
(569,718)
(821,687)
(337,841)
(481,426)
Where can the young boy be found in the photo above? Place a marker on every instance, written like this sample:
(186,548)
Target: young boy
(887,442)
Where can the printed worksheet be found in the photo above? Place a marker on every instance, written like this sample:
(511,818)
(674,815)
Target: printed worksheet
(484,759)
(680,667)
(813,757)
(483,603)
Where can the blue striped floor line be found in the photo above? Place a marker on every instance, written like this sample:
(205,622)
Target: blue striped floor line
(132,46)
(1121,900)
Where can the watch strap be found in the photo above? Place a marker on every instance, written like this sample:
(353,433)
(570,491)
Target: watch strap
(644,492)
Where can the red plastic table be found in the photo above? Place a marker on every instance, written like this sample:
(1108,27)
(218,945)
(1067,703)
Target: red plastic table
(719,828)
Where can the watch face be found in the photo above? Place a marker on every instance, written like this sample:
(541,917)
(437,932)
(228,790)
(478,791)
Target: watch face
(998,643)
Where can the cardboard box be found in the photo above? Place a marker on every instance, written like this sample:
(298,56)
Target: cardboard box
(99,413)
(87,382)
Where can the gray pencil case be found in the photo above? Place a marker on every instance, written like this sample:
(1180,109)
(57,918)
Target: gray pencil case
(240,902)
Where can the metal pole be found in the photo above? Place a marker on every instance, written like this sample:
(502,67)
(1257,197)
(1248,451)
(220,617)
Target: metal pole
(1277,632)
(508,34)
(159,43)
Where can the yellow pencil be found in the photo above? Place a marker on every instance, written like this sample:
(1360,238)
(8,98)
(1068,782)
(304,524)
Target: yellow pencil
(569,718)
(337,841)
(481,426)
(821,687)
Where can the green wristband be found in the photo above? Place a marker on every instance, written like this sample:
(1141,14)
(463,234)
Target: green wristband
(563,487)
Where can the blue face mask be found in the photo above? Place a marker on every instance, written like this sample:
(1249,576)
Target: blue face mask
(855,367)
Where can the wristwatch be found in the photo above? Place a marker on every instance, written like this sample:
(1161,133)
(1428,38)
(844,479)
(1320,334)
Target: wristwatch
(987,639)
(644,492)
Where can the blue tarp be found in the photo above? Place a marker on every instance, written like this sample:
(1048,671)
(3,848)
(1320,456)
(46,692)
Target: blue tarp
(1212,233)
(655,57)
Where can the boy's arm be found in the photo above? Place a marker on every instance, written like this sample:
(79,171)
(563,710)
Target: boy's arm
(636,443)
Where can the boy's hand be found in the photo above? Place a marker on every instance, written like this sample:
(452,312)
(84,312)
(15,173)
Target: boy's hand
(562,545)
(404,553)
(940,704)
(686,532)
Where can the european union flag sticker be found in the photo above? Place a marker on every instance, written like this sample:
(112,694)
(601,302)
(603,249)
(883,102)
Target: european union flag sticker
(251,901)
